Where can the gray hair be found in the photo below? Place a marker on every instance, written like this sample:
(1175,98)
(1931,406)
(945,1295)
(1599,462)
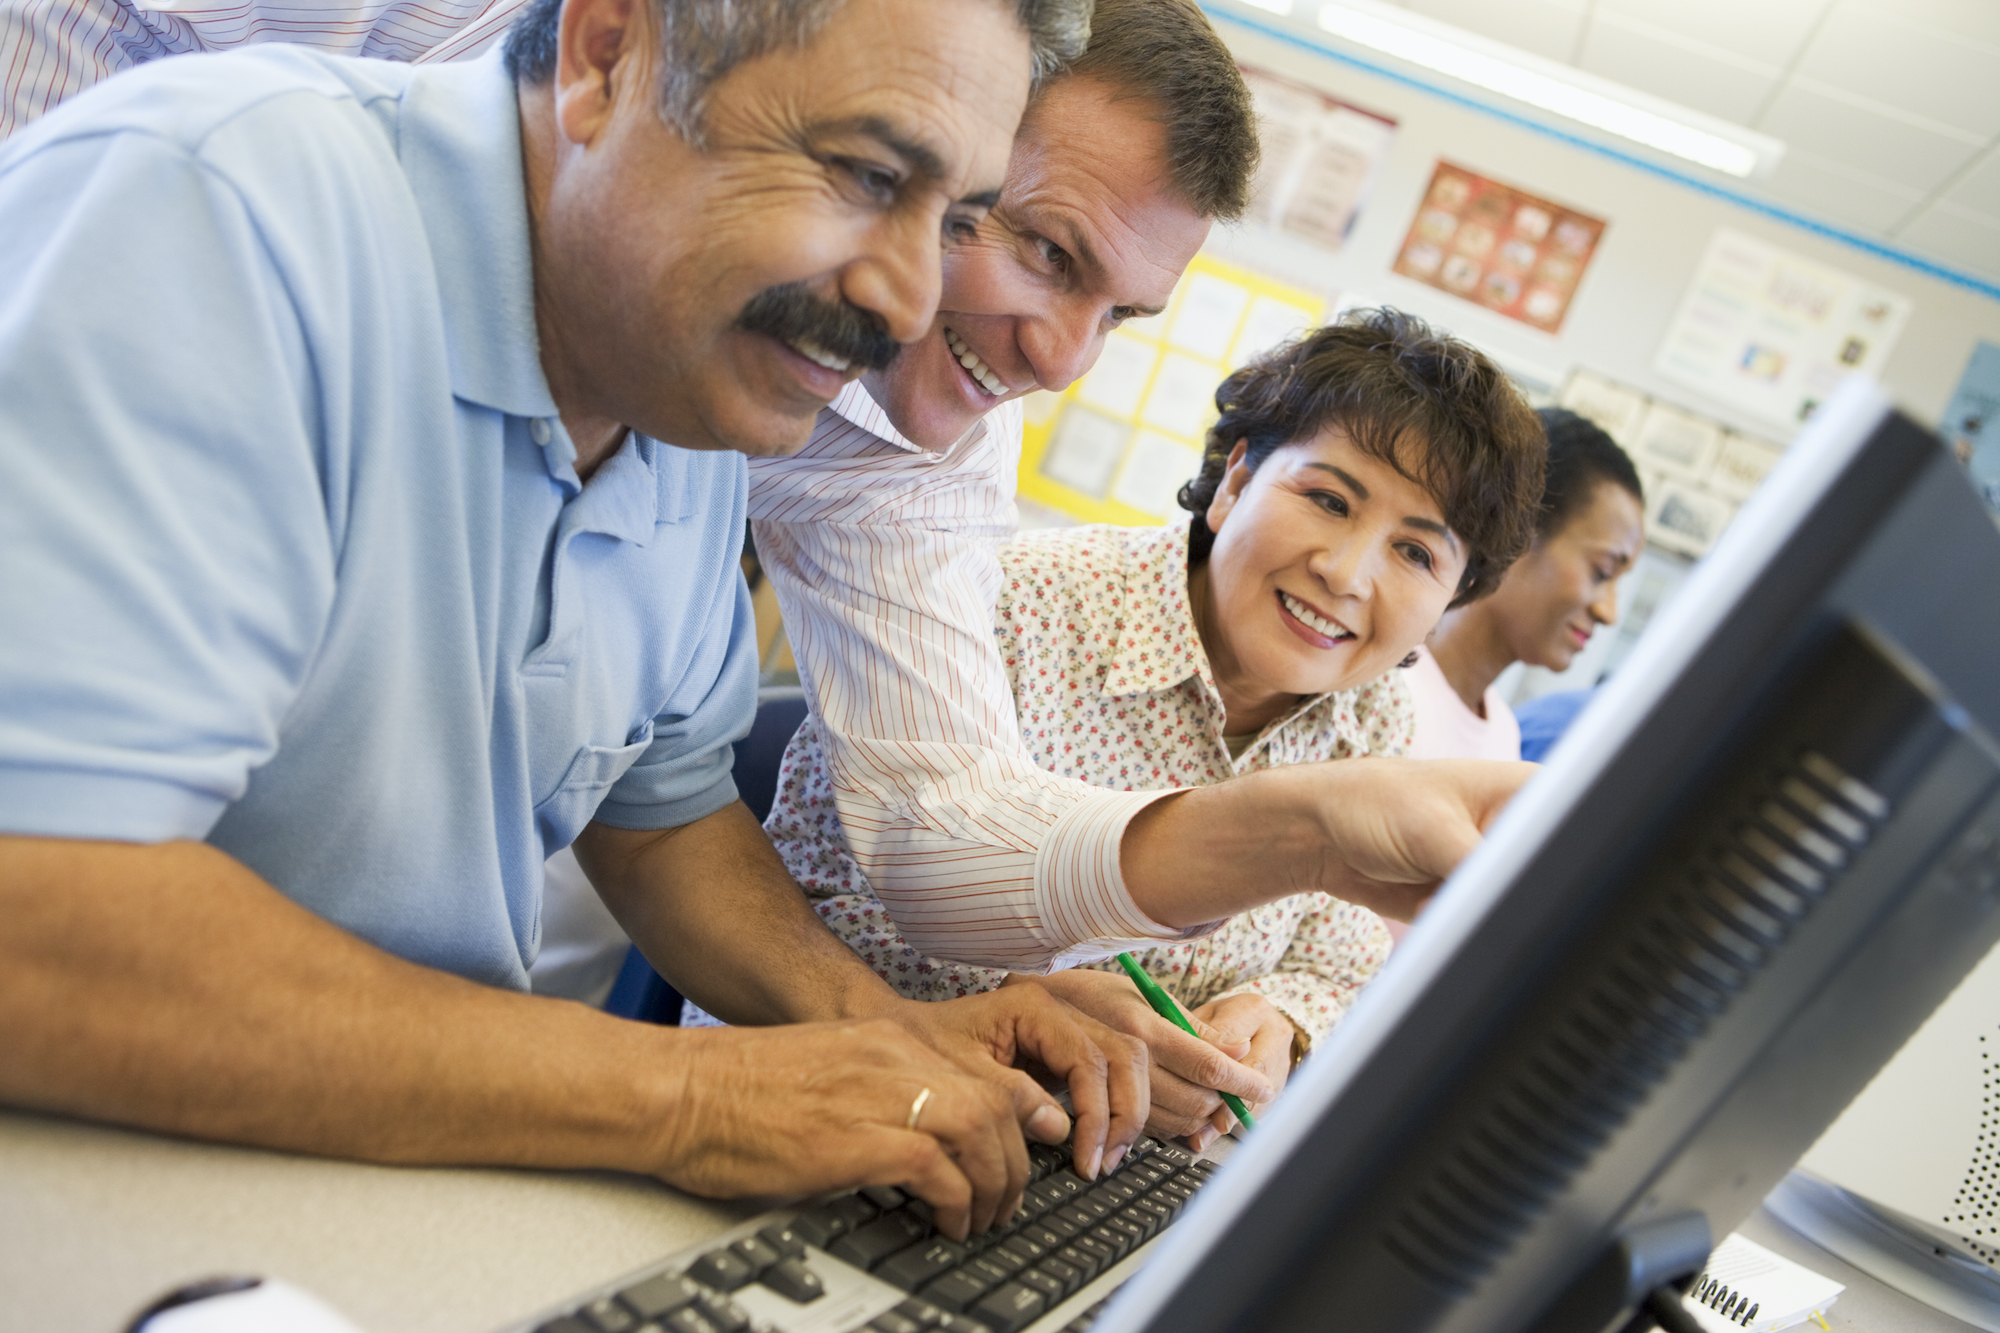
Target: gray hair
(702,40)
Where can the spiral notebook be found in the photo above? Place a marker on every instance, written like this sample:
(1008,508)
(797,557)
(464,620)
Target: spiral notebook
(1747,1286)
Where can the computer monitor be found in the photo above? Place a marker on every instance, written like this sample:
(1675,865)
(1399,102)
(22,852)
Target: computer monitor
(1756,863)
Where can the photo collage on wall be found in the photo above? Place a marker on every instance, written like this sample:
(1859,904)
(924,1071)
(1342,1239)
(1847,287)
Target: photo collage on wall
(1320,159)
(1117,446)
(1696,471)
(1501,247)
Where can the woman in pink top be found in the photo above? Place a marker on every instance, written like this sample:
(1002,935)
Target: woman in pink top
(1588,533)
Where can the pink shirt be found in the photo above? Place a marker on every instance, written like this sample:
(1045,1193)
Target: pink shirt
(1447,729)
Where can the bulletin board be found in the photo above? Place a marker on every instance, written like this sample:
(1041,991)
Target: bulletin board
(1117,445)
(1511,251)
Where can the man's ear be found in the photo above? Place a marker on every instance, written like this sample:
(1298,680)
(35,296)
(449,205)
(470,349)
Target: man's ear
(600,44)
(1236,475)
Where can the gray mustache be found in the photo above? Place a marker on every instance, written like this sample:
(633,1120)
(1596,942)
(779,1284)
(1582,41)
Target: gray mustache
(793,314)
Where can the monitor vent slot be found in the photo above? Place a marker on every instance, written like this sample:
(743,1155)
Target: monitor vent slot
(1715,923)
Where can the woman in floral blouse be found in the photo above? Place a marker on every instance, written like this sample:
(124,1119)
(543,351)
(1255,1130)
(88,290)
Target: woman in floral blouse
(1357,483)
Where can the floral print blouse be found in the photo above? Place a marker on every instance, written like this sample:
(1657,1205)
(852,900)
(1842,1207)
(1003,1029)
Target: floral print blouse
(1113,689)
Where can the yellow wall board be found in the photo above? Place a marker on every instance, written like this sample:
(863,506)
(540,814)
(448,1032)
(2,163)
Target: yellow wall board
(1118,444)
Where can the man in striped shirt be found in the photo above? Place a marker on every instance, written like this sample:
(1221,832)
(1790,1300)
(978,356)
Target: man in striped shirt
(879,537)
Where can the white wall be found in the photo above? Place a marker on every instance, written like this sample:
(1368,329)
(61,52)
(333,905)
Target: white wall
(1657,232)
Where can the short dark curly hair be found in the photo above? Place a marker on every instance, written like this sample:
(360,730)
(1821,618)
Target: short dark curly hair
(1434,408)
(1581,456)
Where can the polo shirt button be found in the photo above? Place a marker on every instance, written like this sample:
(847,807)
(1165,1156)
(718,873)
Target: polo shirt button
(538,430)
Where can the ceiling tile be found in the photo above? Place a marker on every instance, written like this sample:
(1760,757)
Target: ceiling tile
(1680,70)
(1771,31)
(1546,27)
(1980,191)
(1839,193)
(1870,52)
(1866,140)
(1977,19)
(1957,236)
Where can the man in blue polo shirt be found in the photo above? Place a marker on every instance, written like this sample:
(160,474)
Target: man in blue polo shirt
(344,581)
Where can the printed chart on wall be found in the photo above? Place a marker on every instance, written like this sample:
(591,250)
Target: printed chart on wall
(1770,333)
(1117,445)
(1321,157)
(1501,247)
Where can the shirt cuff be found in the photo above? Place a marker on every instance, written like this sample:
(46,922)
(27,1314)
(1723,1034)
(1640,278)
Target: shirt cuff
(1080,888)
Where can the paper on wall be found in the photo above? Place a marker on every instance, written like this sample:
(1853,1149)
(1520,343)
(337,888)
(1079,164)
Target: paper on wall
(1771,333)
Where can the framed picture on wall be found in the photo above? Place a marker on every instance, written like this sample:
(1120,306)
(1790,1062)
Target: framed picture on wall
(1499,246)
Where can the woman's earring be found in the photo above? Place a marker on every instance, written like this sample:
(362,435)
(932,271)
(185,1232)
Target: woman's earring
(1409,661)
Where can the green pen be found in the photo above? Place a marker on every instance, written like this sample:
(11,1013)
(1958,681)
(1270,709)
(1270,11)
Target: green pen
(1163,1005)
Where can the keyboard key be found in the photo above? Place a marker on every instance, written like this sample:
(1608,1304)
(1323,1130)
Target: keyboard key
(1134,1235)
(960,1323)
(958,1290)
(885,1197)
(791,1279)
(886,1235)
(568,1323)
(1174,1154)
(1011,1308)
(836,1217)
(1003,1257)
(1055,1224)
(1063,1274)
(920,1312)
(1051,1288)
(759,1253)
(606,1315)
(788,1243)
(891,1322)
(920,1263)
(1117,1193)
(687,1319)
(657,1296)
(1103,1255)
(1069,1182)
(1085,1259)
(721,1269)
(1030,1250)
(725,1314)
(992,1274)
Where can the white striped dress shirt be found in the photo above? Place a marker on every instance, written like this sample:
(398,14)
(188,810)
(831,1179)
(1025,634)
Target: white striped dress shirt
(53,49)
(883,558)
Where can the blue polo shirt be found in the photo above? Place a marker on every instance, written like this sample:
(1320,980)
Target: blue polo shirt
(293,554)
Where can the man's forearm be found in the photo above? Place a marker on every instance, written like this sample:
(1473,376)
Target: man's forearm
(168,987)
(712,908)
(1379,832)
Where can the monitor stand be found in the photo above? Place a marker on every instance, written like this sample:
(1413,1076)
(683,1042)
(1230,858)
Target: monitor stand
(1900,1251)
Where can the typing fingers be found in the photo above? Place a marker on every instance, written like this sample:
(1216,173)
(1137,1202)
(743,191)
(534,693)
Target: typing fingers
(1106,1070)
(974,1122)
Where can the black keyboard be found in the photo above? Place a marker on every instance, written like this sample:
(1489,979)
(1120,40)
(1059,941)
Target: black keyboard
(872,1260)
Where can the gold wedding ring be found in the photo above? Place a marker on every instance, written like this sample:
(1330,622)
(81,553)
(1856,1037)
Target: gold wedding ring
(917,1109)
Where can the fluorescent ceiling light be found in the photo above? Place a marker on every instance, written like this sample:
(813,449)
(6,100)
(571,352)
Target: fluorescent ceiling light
(1549,86)
(1275,6)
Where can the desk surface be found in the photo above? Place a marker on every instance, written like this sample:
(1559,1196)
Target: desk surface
(96,1222)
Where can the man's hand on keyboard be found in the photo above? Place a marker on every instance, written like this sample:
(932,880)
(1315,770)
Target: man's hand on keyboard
(817,1106)
(1187,1075)
(992,1034)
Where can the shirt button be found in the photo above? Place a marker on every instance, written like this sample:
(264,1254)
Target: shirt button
(538,430)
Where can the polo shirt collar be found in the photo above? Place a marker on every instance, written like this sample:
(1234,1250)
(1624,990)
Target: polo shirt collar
(1154,572)
(460,145)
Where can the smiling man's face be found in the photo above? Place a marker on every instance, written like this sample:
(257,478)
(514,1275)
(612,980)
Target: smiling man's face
(1088,233)
(718,296)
